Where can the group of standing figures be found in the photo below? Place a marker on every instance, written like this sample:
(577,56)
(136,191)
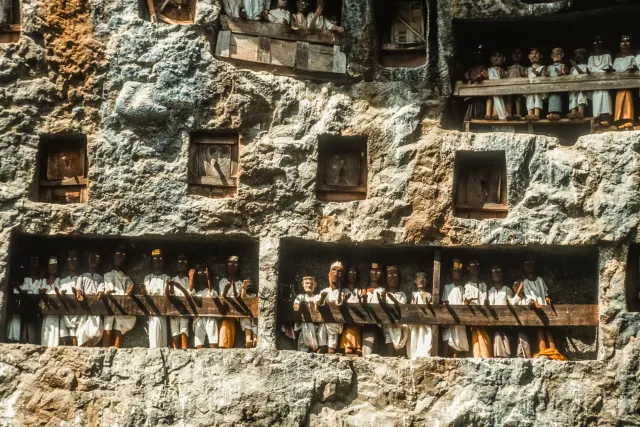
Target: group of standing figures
(90,330)
(416,340)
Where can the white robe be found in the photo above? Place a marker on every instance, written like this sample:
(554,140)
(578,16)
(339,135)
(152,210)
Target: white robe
(535,100)
(456,336)
(475,290)
(420,339)
(322,23)
(245,323)
(68,322)
(601,98)
(308,339)
(28,327)
(157,324)
(280,16)
(205,327)
(622,64)
(254,8)
(578,98)
(500,297)
(13,325)
(232,7)
(180,325)
(535,290)
(375,298)
(120,283)
(396,334)
(89,327)
(50,331)
(498,101)
(329,333)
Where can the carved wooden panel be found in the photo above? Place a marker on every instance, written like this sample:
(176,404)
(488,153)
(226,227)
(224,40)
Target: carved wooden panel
(407,25)
(214,162)
(213,165)
(343,169)
(480,185)
(65,164)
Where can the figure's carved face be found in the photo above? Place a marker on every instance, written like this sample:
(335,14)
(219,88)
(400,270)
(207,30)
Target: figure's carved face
(375,275)
(625,45)
(119,257)
(94,260)
(497,59)
(478,56)
(456,274)
(516,55)
(157,262)
(352,275)
(52,268)
(421,283)
(202,273)
(534,56)
(303,6)
(233,265)
(335,274)
(496,275)
(282,4)
(72,261)
(392,277)
(474,268)
(580,55)
(530,267)
(557,54)
(309,285)
(597,45)
(182,265)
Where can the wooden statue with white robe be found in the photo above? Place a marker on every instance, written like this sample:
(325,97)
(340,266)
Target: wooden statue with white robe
(13,324)
(599,63)
(558,68)
(373,294)
(395,336)
(475,293)
(229,287)
(351,340)
(90,327)
(578,100)
(157,283)
(455,336)
(500,294)
(419,342)
(515,71)
(280,15)
(496,108)
(329,333)
(535,101)
(308,338)
(624,63)
(50,330)
(204,328)
(116,282)
(179,326)
(69,322)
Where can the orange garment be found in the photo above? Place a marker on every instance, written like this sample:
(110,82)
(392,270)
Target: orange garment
(551,353)
(227,335)
(481,343)
(624,107)
(351,339)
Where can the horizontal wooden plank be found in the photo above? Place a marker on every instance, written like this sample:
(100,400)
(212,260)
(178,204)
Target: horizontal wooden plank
(342,188)
(488,207)
(135,305)
(473,315)
(567,122)
(525,86)
(288,71)
(403,47)
(279,31)
(64,182)
(206,180)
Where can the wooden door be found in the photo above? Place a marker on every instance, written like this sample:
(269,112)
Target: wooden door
(343,169)
(65,164)
(409,15)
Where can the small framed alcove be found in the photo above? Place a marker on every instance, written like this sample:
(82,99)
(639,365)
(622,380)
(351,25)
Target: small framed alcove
(401,26)
(342,168)
(213,164)
(168,11)
(480,185)
(62,169)
(199,249)
(10,21)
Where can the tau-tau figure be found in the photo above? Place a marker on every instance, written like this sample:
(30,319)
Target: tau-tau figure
(50,331)
(419,343)
(515,71)
(372,295)
(329,333)
(305,18)
(250,9)
(89,329)
(578,100)
(455,336)
(30,285)
(558,68)
(600,62)
(500,295)
(351,340)
(249,325)
(395,336)
(308,340)
(535,293)
(496,108)
(280,15)
(476,74)
(535,101)
(624,63)
(204,327)
(13,325)
(475,293)
(116,282)
(228,287)
(157,283)
(69,323)
(179,326)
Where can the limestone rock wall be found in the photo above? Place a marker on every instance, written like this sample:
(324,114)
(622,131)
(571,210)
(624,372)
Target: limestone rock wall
(137,90)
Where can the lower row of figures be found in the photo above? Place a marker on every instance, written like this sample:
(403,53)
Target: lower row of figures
(89,330)
(417,340)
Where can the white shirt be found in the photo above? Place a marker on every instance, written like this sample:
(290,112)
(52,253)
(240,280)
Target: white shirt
(306,298)
(535,290)
(500,297)
(494,73)
(204,292)
(321,22)
(417,297)
(599,63)
(280,16)
(353,296)
(223,283)
(475,290)
(155,284)
(90,284)
(68,283)
(530,72)
(374,298)
(117,281)
(400,296)
(453,294)
(30,286)
(622,64)
(332,294)
(50,289)
(184,281)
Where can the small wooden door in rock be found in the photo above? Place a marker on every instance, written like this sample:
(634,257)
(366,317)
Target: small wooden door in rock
(213,168)
(481,186)
(63,170)
(407,26)
(342,169)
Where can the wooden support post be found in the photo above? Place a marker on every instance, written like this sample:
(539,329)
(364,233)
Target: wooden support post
(152,11)
(435,294)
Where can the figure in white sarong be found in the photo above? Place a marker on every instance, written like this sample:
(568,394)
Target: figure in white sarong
(156,283)
(599,63)
(280,15)
(500,295)
(204,328)
(117,283)
(90,327)
(178,325)
(50,330)
(578,100)
(395,336)
(329,333)
(558,68)
(372,294)
(308,339)
(420,338)
(69,322)
(455,336)
(475,293)
(535,101)
(30,285)
(496,108)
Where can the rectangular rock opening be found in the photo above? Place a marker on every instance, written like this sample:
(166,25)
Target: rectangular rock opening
(342,168)
(480,184)
(10,25)
(213,163)
(62,169)
(402,32)
(632,279)
(174,12)
(199,250)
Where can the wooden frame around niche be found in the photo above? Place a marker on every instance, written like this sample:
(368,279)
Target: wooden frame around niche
(352,146)
(471,169)
(163,11)
(62,169)
(10,26)
(220,180)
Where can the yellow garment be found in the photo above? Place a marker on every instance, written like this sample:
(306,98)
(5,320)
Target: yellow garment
(624,107)
(352,338)
(481,343)
(551,353)
(227,335)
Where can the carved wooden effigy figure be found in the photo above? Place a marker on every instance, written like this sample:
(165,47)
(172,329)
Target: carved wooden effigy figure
(558,68)
(30,285)
(419,342)
(231,286)
(50,330)
(14,322)
(281,14)
(90,327)
(329,333)
(499,294)
(535,102)
(600,62)
(157,283)
(455,336)
(69,322)
(314,20)
(116,282)
(308,338)
(249,9)
(373,294)
(515,70)
(395,336)
(496,109)
(624,63)
(475,74)
(578,100)
(475,293)
(204,328)
(351,340)
(179,326)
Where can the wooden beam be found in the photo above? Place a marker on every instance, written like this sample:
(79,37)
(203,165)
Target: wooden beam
(136,305)
(526,86)
(279,31)
(438,314)
(64,182)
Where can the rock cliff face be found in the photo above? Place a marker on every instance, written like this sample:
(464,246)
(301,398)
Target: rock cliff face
(137,90)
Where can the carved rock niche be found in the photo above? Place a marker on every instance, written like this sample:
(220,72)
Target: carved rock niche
(62,174)
(213,164)
(9,21)
(342,168)
(480,185)
(402,27)
(168,11)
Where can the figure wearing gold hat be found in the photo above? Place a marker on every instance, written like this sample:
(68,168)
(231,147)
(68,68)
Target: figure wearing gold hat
(156,284)
(455,336)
